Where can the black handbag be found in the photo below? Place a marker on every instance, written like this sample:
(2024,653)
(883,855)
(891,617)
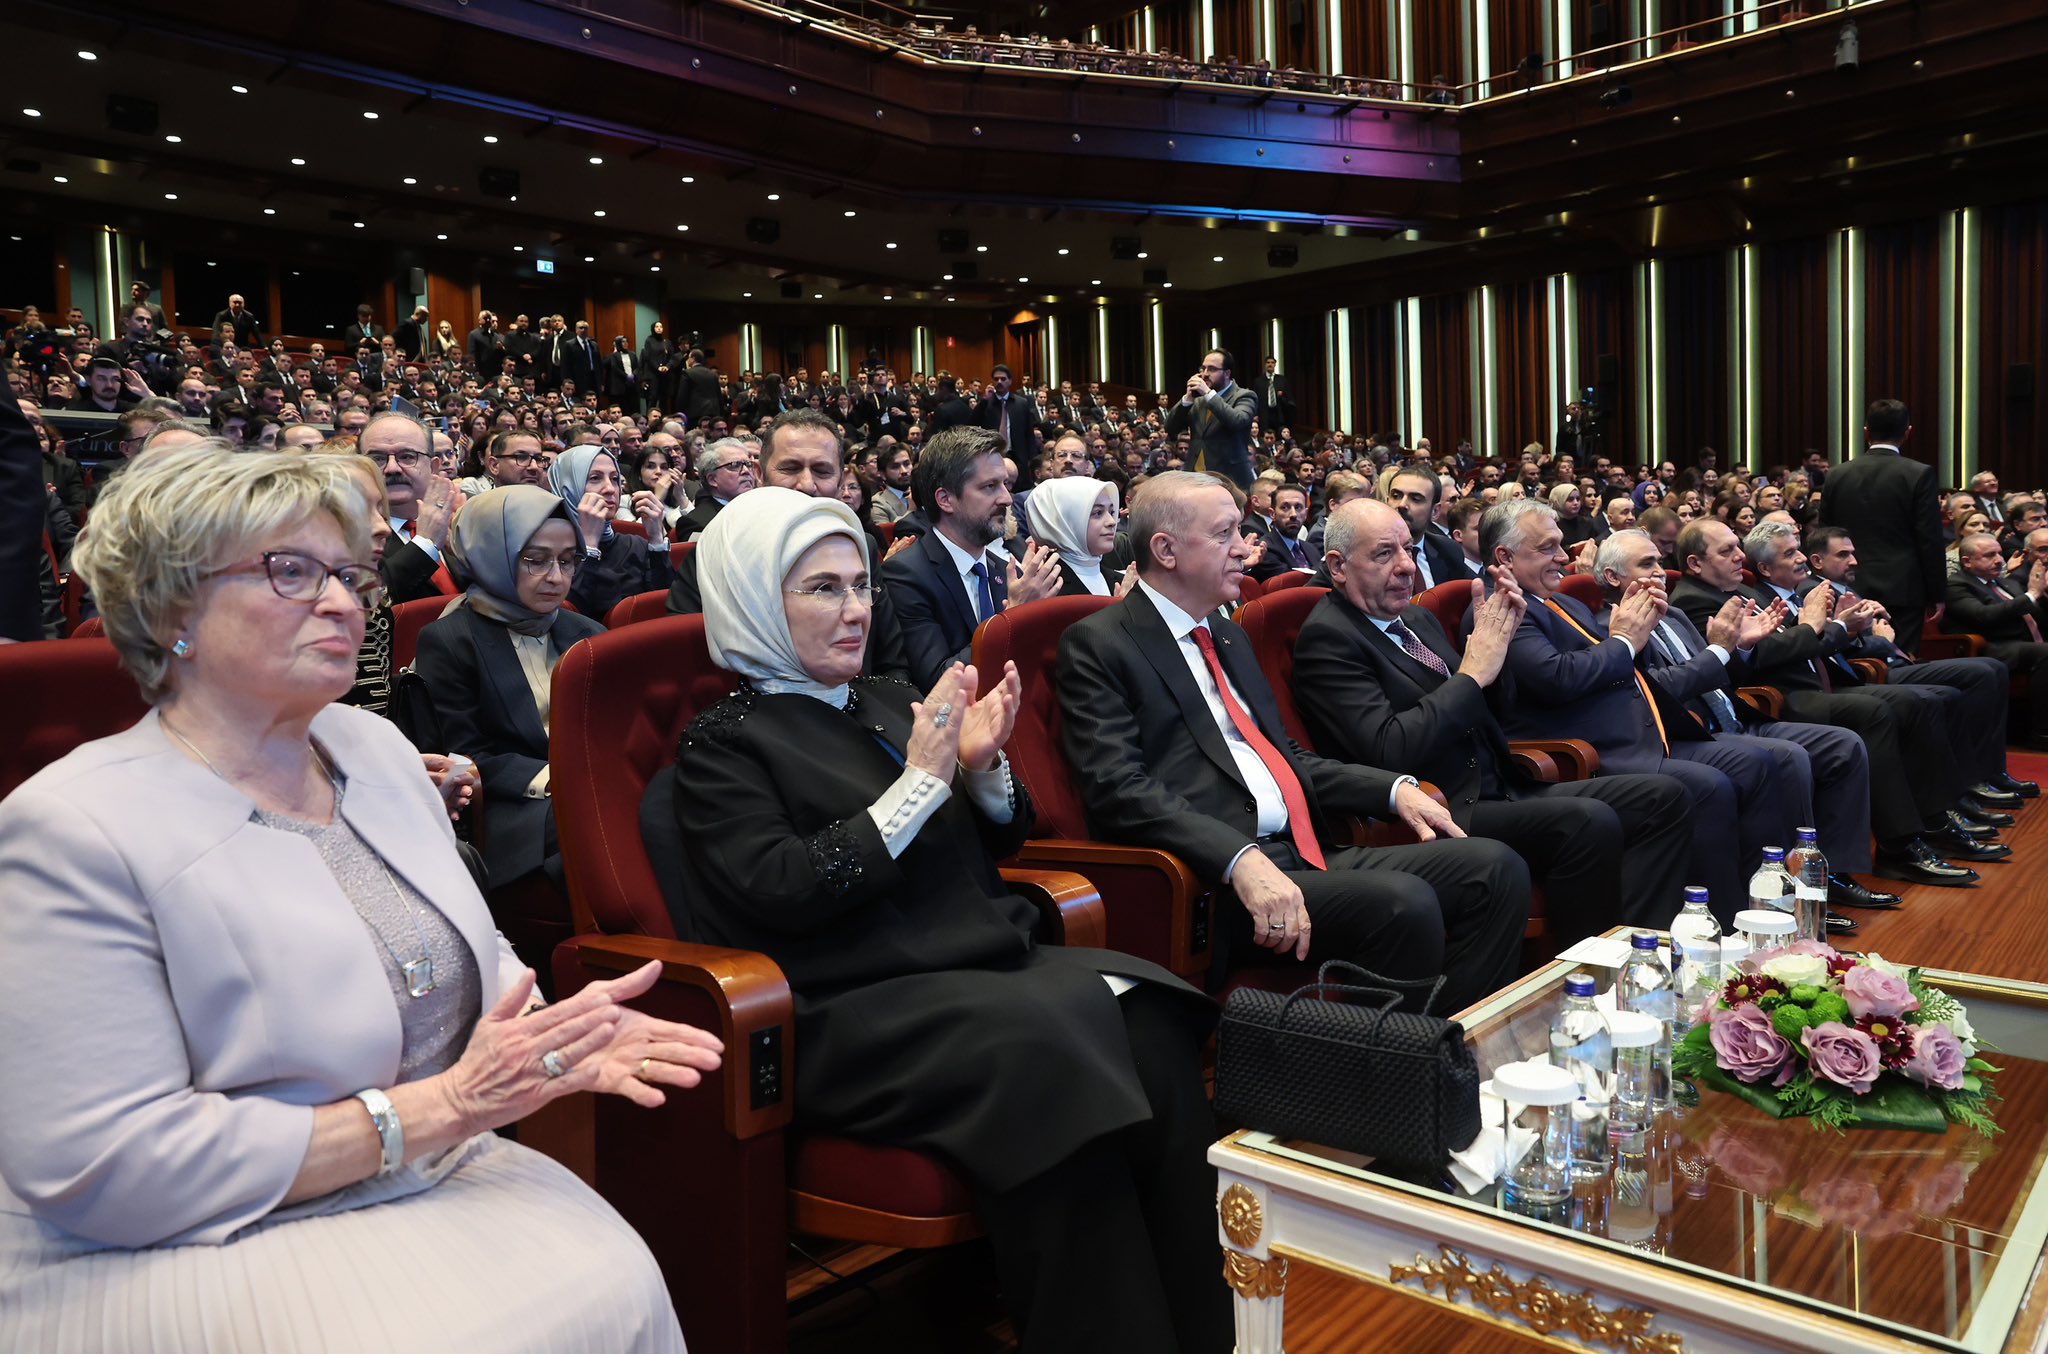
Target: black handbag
(1325,1065)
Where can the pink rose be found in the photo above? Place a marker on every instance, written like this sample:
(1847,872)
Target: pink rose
(1755,963)
(1873,993)
(1934,1195)
(1747,1047)
(1842,1054)
(1937,1058)
(1752,1162)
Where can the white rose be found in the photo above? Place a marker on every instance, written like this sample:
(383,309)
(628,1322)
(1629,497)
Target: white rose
(1884,965)
(1795,970)
(1958,1022)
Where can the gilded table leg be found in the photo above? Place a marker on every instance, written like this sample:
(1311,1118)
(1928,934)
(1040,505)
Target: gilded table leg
(1258,1293)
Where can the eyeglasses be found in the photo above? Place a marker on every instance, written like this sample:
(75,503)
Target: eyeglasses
(540,566)
(824,595)
(407,460)
(732,465)
(520,457)
(301,578)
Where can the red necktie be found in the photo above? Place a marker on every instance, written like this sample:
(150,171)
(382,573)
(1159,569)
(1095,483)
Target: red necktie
(1298,821)
(2033,626)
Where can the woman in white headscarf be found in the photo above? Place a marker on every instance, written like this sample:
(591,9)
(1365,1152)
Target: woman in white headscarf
(850,831)
(1077,518)
(488,661)
(616,564)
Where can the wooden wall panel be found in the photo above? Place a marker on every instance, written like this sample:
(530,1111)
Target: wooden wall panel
(1521,358)
(1792,324)
(1447,374)
(1375,368)
(1902,317)
(1696,370)
(2012,427)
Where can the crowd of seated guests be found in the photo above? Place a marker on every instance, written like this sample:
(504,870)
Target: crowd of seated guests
(805,830)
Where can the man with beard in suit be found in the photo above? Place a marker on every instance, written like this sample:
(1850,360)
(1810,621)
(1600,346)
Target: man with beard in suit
(1379,683)
(1011,414)
(2012,622)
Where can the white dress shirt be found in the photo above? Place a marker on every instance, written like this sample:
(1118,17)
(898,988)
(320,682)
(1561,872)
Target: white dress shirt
(965,563)
(402,528)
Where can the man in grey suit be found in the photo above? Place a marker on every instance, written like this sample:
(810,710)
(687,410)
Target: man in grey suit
(1217,414)
(1891,506)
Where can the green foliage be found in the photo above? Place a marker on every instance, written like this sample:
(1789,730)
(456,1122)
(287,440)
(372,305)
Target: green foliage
(1830,1006)
(1770,1001)
(1806,994)
(1790,1019)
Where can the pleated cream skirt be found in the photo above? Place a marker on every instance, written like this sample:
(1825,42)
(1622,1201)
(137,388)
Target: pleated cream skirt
(508,1252)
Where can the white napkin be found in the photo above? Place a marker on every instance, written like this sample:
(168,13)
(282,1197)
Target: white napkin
(1490,1155)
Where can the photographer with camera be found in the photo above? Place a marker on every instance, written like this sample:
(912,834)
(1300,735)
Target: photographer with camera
(143,350)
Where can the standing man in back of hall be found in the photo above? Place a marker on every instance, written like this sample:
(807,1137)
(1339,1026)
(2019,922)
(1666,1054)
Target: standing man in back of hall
(1891,506)
(1217,414)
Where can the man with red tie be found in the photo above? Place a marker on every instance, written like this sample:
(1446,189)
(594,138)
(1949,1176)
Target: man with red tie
(1176,743)
(422,504)
(2012,622)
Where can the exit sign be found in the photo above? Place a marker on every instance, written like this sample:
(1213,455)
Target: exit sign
(543,265)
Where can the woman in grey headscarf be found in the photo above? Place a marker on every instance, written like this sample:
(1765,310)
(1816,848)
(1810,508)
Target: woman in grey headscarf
(487,662)
(1077,519)
(616,564)
(850,831)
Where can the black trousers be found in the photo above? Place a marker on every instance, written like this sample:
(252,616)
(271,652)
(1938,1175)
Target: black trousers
(2029,660)
(1115,1249)
(1913,775)
(1456,908)
(1972,697)
(1608,850)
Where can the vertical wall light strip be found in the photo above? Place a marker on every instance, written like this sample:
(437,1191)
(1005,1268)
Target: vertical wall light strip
(922,358)
(1946,393)
(1641,300)
(1052,352)
(1411,366)
(750,347)
(1570,324)
(1333,37)
(1273,344)
(1099,359)
(1564,39)
(1155,344)
(1342,410)
(1214,338)
(835,348)
(1482,45)
(1207,34)
(1401,34)
(1554,378)
(1738,391)
(105,241)
(1751,15)
(1657,363)
(1753,356)
(1489,383)
(1268,43)
(1853,375)
(1400,357)
(1151,34)
(1970,329)
(1839,447)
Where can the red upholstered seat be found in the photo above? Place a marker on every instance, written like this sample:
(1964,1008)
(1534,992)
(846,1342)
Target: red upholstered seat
(1583,588)
(1449,602)
(407,620)
(1249,590)
(1029,636)
(880,1179)
(631,529)
(1272,625)
(58,696)
(89,628)
(1293,578)
(641,606)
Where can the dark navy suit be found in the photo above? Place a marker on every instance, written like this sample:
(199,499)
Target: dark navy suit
(932,606)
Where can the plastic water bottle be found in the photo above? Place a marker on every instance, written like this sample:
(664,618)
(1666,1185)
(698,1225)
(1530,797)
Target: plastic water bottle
(1579,1044)
(1696,949)
(1809,871)
(1647,987)
(1771,888)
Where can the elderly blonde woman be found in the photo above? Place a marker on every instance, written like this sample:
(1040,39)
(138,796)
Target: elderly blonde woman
(259,1025)
(850,831)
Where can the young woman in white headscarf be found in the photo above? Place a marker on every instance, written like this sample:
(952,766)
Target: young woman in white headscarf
(489,659)
(1077,518)
(616,564)
(850,830)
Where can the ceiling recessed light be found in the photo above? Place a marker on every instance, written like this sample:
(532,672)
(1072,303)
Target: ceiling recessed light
(211,264)
(597,159)
(680,226)
(590,258)
(598,212)
(515,197)
(1169,286)
(170,197)
(981,249)
(947,277)
(888,298)
(775,197)
(270,211)
(358,225)
(31,112)
(61,179)
(747,294)
(239,89)
(890,245)
(440,237)
(655,269)
(519,249)
(1144,254)
(1094,281)
(410,181)
(1063,253)
(952,298)
(1217,258)
(174,139)
(689,178)
(1023,279)
(369,116)
(490,141)
(88,56)
(297,160)
(849,213)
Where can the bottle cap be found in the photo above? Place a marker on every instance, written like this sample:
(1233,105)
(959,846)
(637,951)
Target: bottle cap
(1767,921)
(1629,1029)
(1579,985)
(1535,1083)
(1695,894)
(1644,940)
(1774,855)
(1806,834)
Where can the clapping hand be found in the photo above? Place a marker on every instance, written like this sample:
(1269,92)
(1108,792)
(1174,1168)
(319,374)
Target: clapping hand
(1816,609)
(594,517)
(1495,618)
(989,720)
(1036,577)
(648,509)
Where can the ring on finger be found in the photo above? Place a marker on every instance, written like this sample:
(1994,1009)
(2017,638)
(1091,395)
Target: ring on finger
(943,716)
(642,1073)
(552,1064)
(1276,926)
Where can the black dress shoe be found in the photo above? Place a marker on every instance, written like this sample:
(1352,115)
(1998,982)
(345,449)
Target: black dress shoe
(1960,823)
(1846,892)
(1839,925)
(1914,862)
(1977,811)
(1992,795)
(1952,843)
(2025,789)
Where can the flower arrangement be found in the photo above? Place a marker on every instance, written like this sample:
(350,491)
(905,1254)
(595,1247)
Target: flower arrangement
(1849,1041)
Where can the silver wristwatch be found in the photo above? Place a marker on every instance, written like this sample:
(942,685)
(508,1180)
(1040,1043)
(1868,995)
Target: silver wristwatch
(389,1131)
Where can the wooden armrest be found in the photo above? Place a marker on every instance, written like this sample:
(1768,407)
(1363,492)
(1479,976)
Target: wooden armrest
(1871,670)
(1389,830)
(1767,701)
(1069,907)
(1153,905)
(739,995)
(1934,645)
(1572,758)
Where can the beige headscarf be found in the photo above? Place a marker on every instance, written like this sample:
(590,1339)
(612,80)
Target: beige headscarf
(743,558)
(1059,511)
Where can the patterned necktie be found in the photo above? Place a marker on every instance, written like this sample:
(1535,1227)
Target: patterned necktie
(1723,709)
(2033,626)
(1417,650)
(985,598)
(1299,824)
(1642,683)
